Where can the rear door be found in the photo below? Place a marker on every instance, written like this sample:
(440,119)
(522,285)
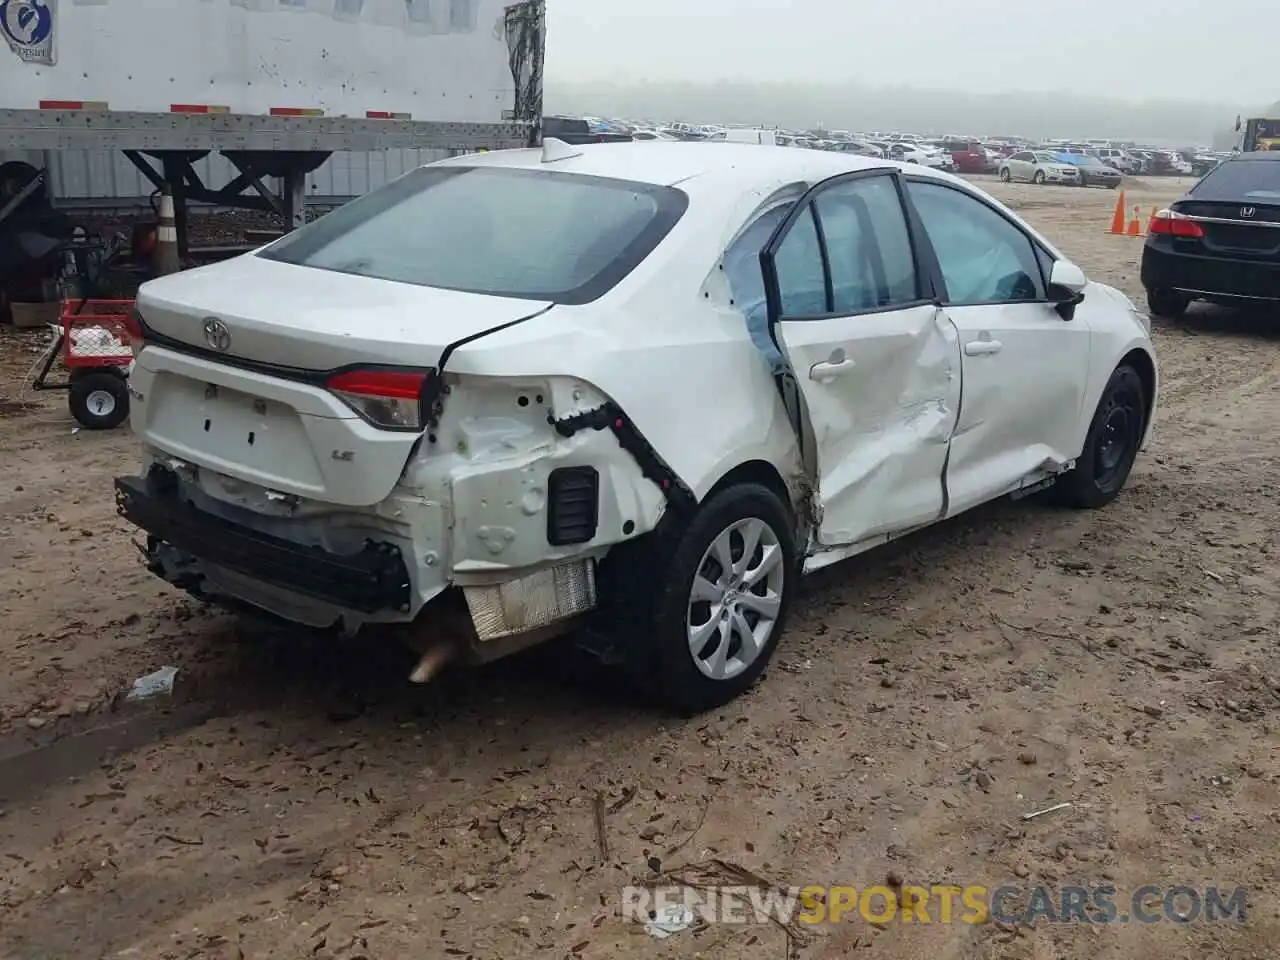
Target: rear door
(875,361)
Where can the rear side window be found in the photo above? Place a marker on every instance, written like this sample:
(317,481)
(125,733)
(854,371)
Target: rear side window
(1241,180)
(534,234)
(868,264)
(868,247)
(798,263)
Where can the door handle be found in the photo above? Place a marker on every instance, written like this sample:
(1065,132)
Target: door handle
(980,348)
(828,369)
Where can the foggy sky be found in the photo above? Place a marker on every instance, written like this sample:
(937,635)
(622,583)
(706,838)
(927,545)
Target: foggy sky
(1221,51)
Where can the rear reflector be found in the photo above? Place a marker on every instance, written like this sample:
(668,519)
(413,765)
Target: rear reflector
(197,108)
(388,398)
(1170,223)
(73,105)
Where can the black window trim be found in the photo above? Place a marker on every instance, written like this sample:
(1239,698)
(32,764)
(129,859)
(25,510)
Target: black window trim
(925,273)
(939,281)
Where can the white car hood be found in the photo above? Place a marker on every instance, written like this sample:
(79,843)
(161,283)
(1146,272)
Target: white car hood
(313,319)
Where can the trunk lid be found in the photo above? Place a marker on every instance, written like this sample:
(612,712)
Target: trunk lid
(1247,229)
(248,406)
(305,318)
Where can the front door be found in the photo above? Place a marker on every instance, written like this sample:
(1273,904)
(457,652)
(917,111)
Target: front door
(876,361)
(1024,366)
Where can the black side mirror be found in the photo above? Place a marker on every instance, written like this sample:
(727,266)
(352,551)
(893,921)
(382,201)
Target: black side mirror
(1064,300)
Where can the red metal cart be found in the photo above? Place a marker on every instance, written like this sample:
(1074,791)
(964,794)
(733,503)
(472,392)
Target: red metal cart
(95,344)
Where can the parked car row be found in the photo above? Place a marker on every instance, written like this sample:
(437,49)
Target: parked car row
(961,154)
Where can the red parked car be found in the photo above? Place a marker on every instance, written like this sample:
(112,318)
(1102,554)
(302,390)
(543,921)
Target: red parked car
(968,156)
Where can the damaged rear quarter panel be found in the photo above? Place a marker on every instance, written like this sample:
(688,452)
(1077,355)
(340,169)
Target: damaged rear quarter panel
(678,363)
(492,455)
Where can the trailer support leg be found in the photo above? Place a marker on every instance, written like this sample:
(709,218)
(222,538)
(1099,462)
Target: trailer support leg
(175,175)
(295,198)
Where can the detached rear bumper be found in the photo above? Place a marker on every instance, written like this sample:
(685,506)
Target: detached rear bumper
(371,581)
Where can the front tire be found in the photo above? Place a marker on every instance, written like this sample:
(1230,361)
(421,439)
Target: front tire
(1110,446)
(1167,303)
(716,603)
(1039,178)
(1005,175)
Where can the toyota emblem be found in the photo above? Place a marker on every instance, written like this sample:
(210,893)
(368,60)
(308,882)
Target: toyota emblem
(216,334)
(1248,212)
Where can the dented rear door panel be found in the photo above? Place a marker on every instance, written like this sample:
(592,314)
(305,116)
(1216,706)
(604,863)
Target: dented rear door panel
(882,392)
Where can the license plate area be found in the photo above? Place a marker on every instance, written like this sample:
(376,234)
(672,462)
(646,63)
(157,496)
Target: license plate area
(255,438)
(230,417)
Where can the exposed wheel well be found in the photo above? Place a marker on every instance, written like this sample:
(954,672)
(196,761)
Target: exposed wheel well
(754,471)
(1140,360)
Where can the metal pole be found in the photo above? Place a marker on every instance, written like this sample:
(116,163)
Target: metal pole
(295,199)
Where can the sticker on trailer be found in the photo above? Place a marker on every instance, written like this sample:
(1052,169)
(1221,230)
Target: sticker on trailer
(28,27)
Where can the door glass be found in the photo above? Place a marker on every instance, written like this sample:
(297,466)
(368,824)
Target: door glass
(868,246)
(802,288)
(984,258)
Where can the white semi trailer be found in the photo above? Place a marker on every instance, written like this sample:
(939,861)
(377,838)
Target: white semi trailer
(274,85)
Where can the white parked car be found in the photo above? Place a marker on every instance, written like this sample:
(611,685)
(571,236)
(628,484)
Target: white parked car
(915,153)
(1038,166)
(632,389)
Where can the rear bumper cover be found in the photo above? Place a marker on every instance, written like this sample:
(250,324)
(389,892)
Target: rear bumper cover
(1209,276)
(373,580)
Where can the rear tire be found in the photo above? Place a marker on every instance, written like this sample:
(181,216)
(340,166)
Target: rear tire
(1167,303)
(99,400)
(697,632)
(1110,446)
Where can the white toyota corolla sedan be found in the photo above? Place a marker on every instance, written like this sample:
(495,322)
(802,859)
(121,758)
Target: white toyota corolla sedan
(630,390)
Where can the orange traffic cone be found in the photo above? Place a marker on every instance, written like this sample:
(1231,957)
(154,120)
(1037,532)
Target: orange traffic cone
(1117,220)
(1135,225)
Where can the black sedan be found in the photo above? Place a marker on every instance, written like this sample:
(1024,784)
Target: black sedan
(1220,242)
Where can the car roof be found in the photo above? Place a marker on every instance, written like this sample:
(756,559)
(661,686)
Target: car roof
(669,163)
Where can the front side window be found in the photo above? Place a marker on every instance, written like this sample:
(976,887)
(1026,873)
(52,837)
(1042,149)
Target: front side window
(984,258)
(506,232)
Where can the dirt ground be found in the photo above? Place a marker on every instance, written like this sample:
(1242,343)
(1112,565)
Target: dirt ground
(300,799)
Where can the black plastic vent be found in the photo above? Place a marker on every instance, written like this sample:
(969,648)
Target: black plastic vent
(573,505)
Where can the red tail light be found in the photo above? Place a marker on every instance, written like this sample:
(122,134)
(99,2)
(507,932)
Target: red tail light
(1174,224)
(389,398)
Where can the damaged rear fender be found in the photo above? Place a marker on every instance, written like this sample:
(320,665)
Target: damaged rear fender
(537,470)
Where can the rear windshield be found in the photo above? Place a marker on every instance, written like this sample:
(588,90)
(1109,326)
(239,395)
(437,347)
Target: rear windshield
(1241,180)
(534,234)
